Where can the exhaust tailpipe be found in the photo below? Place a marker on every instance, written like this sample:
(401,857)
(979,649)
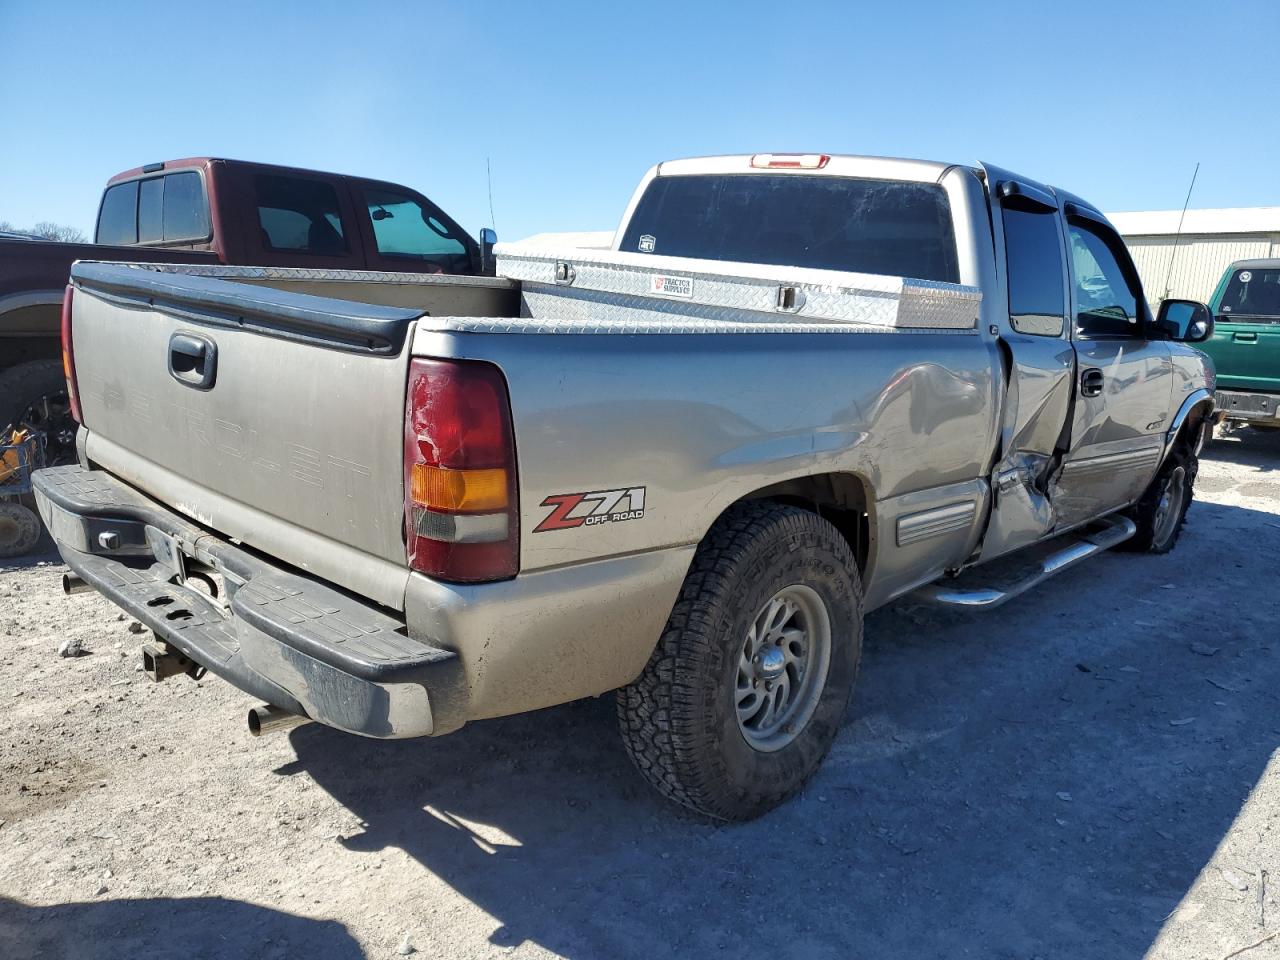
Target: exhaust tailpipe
(73,584)
(266,719)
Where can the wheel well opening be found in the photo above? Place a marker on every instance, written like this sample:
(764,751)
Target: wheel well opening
(1190,429)
(842,499)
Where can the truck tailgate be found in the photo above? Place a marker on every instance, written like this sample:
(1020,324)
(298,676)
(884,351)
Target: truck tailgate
(273,417)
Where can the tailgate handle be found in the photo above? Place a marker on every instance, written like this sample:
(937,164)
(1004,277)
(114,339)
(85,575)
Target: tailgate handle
(193,360)
(1244,337)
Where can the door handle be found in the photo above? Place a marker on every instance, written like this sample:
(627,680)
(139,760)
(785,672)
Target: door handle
(193,360)
(1245,337)
(1091,381)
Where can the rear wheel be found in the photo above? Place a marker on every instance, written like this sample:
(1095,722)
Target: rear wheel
(745,692)
(33,395)
(19,529)
(1162,511)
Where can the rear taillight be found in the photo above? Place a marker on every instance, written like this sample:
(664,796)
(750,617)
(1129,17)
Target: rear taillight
(461,516)
(69,356)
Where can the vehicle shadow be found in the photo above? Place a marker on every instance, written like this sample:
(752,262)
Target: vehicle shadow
(43,552)
(164,927)
(1247,447)
(1046,780)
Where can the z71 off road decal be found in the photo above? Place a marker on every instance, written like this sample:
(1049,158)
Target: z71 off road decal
(571,510)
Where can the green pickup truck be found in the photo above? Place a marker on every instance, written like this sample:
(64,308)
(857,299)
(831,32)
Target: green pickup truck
(1245,346)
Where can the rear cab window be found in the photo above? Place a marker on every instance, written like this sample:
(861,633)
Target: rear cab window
(118,217)
(1252,295)
(170,208)
(299,215)
(890,227)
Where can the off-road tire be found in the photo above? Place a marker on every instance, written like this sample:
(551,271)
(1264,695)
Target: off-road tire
(25,385)
(678,718)
(19,529)
(1154,536)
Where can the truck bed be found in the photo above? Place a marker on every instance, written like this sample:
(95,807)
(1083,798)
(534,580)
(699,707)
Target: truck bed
(575,290)
(297,449)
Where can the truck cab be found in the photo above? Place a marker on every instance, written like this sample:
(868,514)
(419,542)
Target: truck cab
(265,215)
(212,212)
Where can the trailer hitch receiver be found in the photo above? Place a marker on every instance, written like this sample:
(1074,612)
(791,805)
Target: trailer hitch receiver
(161,660)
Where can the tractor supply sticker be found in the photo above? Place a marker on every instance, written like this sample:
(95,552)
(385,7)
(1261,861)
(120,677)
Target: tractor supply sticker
(681,287)
(570,510)
(648,243)
(1245,276)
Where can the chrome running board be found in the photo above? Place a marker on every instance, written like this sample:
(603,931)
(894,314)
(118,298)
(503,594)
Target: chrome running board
(992,584)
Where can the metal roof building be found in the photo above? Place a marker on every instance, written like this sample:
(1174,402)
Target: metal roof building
(1211,240)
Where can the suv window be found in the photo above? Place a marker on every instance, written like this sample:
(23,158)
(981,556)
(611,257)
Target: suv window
(1033,253)
(1106,303)
(404,227)
(118,218)
(299,215)
(1252,294)
(891,227)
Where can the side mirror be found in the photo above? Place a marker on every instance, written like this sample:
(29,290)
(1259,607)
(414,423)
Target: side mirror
(1185,321)
(488,237)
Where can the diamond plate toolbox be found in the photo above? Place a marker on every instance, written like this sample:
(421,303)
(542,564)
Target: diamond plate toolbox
(589,291)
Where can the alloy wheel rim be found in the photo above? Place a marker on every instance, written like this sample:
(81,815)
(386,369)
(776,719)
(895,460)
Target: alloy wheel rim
(782,667)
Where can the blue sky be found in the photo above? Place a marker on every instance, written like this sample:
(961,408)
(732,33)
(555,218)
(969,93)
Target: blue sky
(571,102)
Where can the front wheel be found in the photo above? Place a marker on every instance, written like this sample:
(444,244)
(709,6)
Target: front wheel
(1162,511)
(745,692)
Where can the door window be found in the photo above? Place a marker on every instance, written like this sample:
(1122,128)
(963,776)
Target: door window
(299,215)
(1106,296)
(405,228)
(1037,286)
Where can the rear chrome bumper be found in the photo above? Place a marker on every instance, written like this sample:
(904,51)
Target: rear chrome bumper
(277,634)
(1248,406)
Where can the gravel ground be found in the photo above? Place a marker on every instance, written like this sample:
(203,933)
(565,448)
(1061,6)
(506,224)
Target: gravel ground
(1091,772)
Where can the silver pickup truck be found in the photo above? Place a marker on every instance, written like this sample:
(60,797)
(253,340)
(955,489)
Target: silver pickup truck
(798,387)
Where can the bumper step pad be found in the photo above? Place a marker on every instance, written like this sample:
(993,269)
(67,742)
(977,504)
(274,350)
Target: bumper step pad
(293,641)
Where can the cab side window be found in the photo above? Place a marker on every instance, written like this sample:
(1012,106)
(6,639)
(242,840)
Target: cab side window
(1033,254)
(404,228)
(1107,302)
(299,215)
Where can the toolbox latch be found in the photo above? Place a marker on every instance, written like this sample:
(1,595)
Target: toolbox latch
(789,299)
(565,272)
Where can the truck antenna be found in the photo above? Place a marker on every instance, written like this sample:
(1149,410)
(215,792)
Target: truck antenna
(1177,237)
(488,172)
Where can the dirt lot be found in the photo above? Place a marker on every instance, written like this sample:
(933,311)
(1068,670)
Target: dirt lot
(1090,773)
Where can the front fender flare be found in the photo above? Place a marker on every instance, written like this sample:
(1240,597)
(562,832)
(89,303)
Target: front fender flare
(1196,398)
